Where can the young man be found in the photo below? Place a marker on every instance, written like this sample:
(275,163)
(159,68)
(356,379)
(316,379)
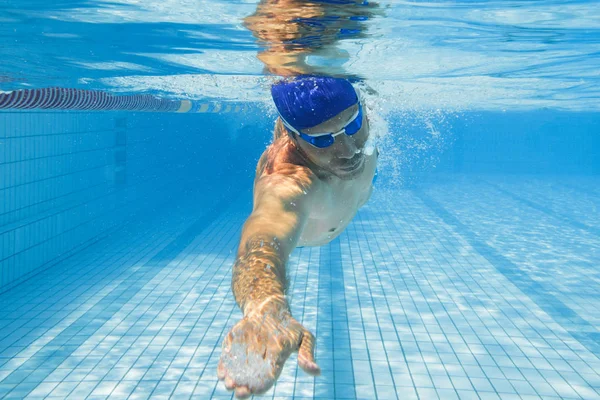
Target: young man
(309,184)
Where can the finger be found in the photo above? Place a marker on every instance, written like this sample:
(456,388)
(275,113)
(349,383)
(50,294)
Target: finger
(229,383)
(263,386)
(306,357)
(227,342)
(264,380)
(242,392)
(221,371)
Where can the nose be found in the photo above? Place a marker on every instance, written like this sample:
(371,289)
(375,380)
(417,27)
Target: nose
(347,146)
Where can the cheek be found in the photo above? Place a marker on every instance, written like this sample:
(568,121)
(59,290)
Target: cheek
(361,137)
(325,157)
(320,156)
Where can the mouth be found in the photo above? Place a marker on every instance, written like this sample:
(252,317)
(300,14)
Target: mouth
(353,164)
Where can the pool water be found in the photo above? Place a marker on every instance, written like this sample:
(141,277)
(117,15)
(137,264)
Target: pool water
(472,273)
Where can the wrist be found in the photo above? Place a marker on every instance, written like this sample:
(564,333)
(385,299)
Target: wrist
(270,304)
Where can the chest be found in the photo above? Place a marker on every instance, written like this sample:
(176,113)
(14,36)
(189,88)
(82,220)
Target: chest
(340,201)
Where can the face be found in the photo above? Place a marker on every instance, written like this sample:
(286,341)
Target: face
(344,158)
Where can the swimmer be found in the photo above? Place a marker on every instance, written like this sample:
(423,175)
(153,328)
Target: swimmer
(310,182)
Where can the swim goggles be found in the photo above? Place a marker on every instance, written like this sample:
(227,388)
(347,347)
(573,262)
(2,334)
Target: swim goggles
(323,140)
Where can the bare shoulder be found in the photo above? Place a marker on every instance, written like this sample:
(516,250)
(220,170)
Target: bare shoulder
(282,171)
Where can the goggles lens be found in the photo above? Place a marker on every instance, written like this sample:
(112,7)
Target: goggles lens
(326,140)
(319,141)
(354,125)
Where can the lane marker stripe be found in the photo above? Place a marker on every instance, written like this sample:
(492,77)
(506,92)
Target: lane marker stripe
(78,99)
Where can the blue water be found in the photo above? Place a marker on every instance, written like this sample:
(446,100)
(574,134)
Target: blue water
(472,273)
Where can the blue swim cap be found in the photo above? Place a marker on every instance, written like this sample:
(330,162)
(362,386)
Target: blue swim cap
(308,101)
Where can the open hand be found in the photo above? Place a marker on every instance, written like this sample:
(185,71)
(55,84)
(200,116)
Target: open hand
(256,348)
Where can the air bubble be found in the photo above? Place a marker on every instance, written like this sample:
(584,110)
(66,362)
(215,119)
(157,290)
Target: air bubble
(247,366)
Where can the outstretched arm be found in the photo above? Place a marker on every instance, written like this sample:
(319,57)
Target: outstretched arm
(256,348)
(281,204)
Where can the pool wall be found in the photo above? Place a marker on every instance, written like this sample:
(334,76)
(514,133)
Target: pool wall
(535,142)
(68,179)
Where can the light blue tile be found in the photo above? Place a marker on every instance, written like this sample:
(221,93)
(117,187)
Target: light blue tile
(427,393)
(418,297)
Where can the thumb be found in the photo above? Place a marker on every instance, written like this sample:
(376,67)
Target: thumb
(306,358)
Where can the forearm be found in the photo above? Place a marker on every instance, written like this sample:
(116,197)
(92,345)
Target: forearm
(269,235)
(259,273)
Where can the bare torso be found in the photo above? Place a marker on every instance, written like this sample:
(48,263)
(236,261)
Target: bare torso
(335,201)
(337,204)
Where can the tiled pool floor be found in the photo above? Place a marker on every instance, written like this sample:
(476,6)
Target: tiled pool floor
(479,287)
